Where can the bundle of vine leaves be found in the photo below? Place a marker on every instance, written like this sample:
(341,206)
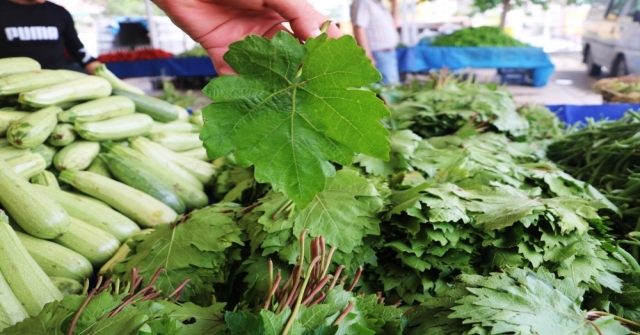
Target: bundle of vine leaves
(455,224)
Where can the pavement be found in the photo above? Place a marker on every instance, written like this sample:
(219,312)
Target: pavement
(569,84)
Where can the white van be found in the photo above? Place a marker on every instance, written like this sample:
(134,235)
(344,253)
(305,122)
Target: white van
(611,37)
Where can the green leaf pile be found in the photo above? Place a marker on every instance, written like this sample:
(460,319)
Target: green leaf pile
(367,317)
(517,301)
(293,109)
(482,203)
(344,214)
(444,108)
(153,317)
(200,248)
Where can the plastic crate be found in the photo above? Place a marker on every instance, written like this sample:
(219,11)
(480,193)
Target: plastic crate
(572,114)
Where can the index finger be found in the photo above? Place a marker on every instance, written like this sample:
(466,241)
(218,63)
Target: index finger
(305,21)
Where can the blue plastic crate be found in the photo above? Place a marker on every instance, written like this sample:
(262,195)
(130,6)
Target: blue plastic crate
(572,114)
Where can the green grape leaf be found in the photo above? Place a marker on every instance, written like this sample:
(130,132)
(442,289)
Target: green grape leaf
(197,249)
(293,109)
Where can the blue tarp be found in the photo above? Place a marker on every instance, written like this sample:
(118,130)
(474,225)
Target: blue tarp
(572,114)
(181,67)
(423,58)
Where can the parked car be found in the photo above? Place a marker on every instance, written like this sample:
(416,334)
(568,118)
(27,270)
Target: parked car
(611,37)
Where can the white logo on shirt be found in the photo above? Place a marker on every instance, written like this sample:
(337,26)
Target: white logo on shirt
(38,33)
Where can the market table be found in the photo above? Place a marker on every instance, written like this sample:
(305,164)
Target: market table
(424,57)
(572,114)
(178,67)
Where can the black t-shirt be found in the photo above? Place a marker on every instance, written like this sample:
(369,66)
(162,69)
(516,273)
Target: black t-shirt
(42,32)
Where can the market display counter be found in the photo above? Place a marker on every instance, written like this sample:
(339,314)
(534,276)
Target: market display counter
(175,67)
(423,58)
(572,114)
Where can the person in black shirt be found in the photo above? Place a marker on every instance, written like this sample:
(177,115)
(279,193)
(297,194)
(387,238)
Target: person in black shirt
(43,31)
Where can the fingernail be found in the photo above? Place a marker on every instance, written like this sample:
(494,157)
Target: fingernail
(316,33)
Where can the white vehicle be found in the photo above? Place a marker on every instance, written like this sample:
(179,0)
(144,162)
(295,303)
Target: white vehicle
(611,37)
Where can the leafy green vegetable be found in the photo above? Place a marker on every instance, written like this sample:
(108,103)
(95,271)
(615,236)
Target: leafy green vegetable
(344,213)
(516,301)
(200,248)
(442,109)
(477,37)
(293,109)
(123,309)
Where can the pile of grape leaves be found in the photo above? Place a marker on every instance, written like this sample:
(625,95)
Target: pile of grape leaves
(436,214)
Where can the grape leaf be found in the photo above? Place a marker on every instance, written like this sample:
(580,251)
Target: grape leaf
(196,249)
(295,108)
(338,214)
(522,302)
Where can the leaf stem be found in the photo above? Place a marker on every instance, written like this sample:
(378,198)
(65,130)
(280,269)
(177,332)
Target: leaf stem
(618,318)
(345,313)
(80,310)
(296,309)
(595,326)
(273,290)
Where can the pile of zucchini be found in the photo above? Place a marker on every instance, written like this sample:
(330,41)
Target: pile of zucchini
(85,163)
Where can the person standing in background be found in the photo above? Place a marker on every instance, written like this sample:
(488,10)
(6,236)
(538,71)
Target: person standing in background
(43,31)
(375,31)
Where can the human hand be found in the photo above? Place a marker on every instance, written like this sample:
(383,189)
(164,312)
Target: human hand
(91,67)
(217,23)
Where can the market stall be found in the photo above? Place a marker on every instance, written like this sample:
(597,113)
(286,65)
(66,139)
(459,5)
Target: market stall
(179,67)
(423,58)
(296,204)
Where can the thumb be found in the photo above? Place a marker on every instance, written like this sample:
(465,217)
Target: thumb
(305,21)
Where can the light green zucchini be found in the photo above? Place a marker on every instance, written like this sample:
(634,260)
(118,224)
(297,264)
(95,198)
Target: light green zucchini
(27,166)
(36,213)
(9,117)
(192,196)
(204,171)
(46,178)
(94,244)
(197,153)
(177,141)
(67,286)
(175,126)
(115,129)
(34,128)
(56,260)
(98,110)
(11,65)
(146,147)
(132,173)
(25,277)
(137,205)
(12,152)
(100,167)
(32,80)
(196,118)
(93,212)
(62,135)
(102,71)
(84,88)
(76,156)
(46,151)
(120,255)
(158,109)
(11,310)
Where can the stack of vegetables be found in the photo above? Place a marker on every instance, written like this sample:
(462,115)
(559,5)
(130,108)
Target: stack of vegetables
(337,215)
(145,53)
(619,89)
(477,37)
(88,134)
